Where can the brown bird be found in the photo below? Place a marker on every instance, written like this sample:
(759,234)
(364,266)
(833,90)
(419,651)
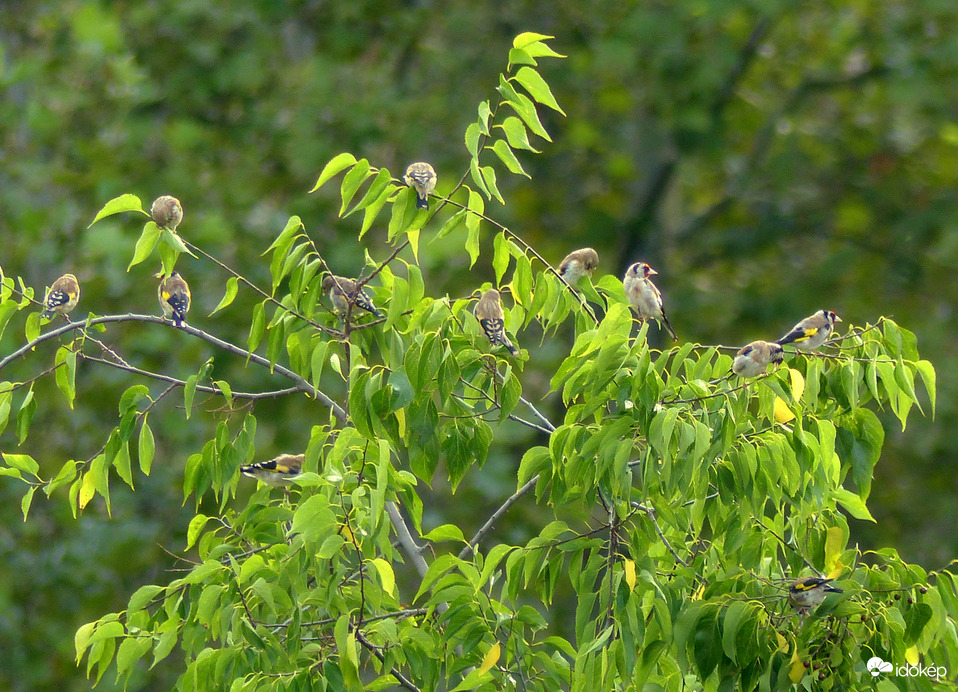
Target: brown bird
(812,332)
(809,592)
(422,178)
(342,291)
(577,264)
(278,471)
(167,212)
(491,318)
(63,296)
(644,297)
(754,359)
(174,296)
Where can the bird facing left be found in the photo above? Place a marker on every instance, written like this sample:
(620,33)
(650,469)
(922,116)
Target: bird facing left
(276,472)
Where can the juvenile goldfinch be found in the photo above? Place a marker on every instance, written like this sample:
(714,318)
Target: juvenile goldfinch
(276,472)
(167,212)
(809,592)
(812,332)
(422,178)
(578,264)
(174,296)
(63,296)
(644,297)
(753,359)
(489,313)
(342,291)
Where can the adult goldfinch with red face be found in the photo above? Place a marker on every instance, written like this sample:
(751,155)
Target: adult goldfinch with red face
(808,592)
(812,332)
(644,297)
(63,296)
(754,359)
(421,177)
(276,472)
(578,264)
(492,320)
(174,296)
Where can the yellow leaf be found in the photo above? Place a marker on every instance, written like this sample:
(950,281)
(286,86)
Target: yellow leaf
(386,575)
(796,671)
(630,574)
(782,413)
(798,384)
(834,541)
(401,421)
(782,642)
(836,570)
(87,490)
(697,594)
(911,655)
(491,658)
(413,237)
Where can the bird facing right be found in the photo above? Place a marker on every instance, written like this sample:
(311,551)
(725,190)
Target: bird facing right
(577,264)
(276,472)
(167,212)
(809,592)
(492,320)
(342,290)
(63,296)
(174,296)
(812,332)
(754,359)
(422,178)
(644,296)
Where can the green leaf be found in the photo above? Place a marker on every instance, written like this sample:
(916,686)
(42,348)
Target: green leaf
(146,446)
(527,38)
(501,256)
(927,372)
(852,504)
(257,327)
(66,373)
(189,390)
(352,181)
(472,140)
(476,206)
(386,575)
(287,235)
(232,287)
(337,164)
(25,415)
(526,110)
(446,532)
(516,134)
(537,87)
(379,186)
(489,177)
(504,152)
(26,500)
(145,244)
(118,205)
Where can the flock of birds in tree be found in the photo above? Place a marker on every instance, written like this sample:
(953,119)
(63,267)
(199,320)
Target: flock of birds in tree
(643,295)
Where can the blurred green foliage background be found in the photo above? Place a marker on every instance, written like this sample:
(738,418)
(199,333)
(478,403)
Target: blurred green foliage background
(768,158)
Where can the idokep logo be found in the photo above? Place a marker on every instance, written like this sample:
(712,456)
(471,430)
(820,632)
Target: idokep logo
(877,666)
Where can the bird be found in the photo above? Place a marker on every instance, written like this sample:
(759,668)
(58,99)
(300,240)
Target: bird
(577,264)
(644,297)
(343,291)
(174,296)
(809,592)
(753,359)
(489,313)
(276,472)
(63,296)
(167,212)
(812,332)
(422,178)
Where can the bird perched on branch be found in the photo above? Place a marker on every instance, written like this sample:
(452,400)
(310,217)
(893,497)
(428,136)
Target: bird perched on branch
(754,359)
(63,296)
(276,472)
(491,318)
(578,264)
(422,178)
(167,212)
(809,592)
(174,296)
(812,332)
(343,291)
(644,297)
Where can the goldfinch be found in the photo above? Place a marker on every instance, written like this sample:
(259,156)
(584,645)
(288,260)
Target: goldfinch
(276,472)
(578,264)
(489,313)
(343,291)
(754,359)
(167,212)
(812,332)
(644,297)
(63,296)
(174,296)
(809,592)
(422,178)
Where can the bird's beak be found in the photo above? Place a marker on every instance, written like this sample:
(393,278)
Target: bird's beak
(837,318)
(652,272)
